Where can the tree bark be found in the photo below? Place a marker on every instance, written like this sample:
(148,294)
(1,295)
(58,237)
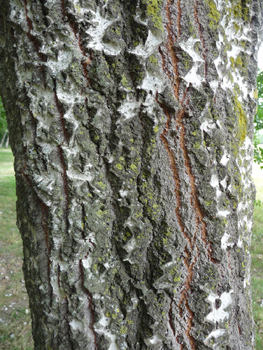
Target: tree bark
(131,123)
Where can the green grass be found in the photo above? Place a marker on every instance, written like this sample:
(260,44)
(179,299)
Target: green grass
(257,265)
(15,322)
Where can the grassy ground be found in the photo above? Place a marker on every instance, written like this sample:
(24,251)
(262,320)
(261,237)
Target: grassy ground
(257,262)
(15,321)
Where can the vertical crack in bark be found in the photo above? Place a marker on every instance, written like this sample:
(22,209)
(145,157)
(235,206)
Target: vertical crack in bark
(35,43)
(170,48)
(59,276)
(61,116)
(65,186)
(83,213)
(67,323)
(178,341)
(61,157)
(29,22)
(176,178)
(179,18)
(86,61)
(91,305)
(44,225)
(194,200)
(189,248)
(201,35)
(171,317)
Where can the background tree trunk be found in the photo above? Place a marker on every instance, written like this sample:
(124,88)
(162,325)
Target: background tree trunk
(3,139)
(131,123)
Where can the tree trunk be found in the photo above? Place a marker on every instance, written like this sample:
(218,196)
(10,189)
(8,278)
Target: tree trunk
(3,139)
(7,142)
(131,123)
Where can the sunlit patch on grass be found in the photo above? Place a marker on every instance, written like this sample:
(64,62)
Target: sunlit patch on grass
(15,321)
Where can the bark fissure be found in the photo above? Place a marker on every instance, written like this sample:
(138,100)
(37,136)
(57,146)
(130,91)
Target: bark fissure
(85,62)
(44,225)
(64,142)
(181,131)
(91,305)
(188,250)
(200,31)
(69,343)
(171,322)
(36,44)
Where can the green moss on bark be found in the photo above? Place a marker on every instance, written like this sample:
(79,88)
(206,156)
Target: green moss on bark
(154,11)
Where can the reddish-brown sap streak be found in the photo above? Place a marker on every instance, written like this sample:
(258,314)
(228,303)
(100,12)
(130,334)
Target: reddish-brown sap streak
(85,62)
(63,8)
(35,43)
(184,296)
(181,127)
(183,230)
(171,50)
(174,170)
(200,224)
(29,22)
(179,18)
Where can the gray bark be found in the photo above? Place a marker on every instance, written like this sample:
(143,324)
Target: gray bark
(131,123)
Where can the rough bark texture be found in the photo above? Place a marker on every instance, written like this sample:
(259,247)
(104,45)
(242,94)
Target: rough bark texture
(131,123)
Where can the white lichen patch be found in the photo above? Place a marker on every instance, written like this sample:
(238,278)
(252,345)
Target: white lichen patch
(76,326)
(236,38)
(188,47)
(224,241)
(154,340)
(101,327)
(223,213)
(131,245)
(128,109)
(208,126)
(63,61)
(214,181)
(193,77)
(152,83)
(219,305)
(123,193)
(223,183)
(78,176)
(87,263)
(213,337)
(151,45)
(97,30)
(225,158)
